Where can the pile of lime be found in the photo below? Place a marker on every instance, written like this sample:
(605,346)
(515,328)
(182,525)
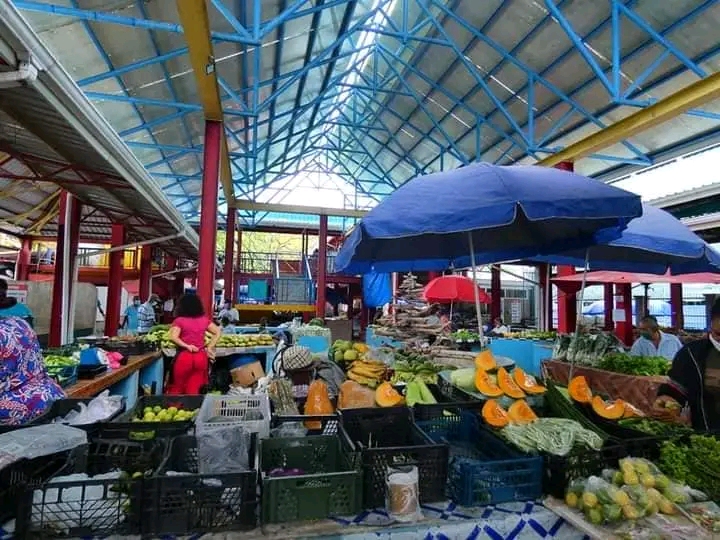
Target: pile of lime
(166,414)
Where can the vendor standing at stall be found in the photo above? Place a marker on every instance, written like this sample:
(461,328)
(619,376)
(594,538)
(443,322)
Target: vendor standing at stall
(230,312)
(147,318)
(653,342)
(693,392)
(190,369)
(26,390)
(131,317)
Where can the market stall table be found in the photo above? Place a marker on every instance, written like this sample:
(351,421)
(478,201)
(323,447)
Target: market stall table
(267,352)
(143,369)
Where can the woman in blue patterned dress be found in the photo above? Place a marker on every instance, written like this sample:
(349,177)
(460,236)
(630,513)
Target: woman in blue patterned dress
(26,389)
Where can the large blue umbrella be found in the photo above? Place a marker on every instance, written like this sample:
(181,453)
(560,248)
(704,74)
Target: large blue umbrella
(653,243)
(506,212)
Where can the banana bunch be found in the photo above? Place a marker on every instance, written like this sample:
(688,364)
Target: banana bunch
(367,372)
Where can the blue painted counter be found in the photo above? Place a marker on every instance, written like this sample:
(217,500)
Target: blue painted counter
(374,341)
(528,354)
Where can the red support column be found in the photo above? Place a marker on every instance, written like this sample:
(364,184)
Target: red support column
(546,301)
(623,301)
(22,266)
(208,213)
(229,270)
(609,301)
(68,235)
(322,267)
(495,293)
(145,272)
(115,279)
(676,306)
(567,302)
(238,250)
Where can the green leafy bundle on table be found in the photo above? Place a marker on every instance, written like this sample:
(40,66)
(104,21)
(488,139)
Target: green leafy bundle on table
(619,362)
(586,349)
(465,336)
(655,427)
(695,462)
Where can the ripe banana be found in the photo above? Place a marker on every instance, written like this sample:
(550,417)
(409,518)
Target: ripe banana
(367,381)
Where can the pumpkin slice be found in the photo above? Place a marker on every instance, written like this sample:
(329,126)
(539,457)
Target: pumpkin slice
(579,390)
(610,410)
(485,360)
(521,413)
(485,385)
(507,385)
(387,396)
(527,382)
(631,411)
(494,415)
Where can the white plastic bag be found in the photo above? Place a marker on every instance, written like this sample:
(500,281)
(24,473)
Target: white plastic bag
(100,408)
(402,496)
(36,441)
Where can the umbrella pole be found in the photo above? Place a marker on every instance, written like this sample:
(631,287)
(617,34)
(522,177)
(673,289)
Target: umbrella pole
(476,293)
(580,315)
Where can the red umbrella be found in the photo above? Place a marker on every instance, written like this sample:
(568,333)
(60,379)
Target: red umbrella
(453,288)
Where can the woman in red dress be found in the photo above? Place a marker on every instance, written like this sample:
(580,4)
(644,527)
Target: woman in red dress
(190,369)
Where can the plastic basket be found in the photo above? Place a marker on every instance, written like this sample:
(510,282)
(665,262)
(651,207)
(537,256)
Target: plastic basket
(16,477)
(482,469)
(127,425)
(250,410)
(328,424)
(330,486)
(102,503)
(428,412)
(389,437)
(61,408)
(195,503)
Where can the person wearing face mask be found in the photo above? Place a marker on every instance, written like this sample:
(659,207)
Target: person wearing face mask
(694,382)
(147,317)
(653,342)
(229,312)
(131,317)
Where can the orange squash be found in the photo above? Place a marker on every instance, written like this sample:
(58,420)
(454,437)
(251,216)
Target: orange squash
(521,413)
(485,385)
(631,411)
(494,415)
(527,382)
(507,385)
(579,390)
(485,360)
(610,410)
(387,396)
(318,403)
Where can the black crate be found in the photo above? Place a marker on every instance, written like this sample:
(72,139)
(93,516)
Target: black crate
(197,503)
(385,437)
(99,505)
(28,473)
(61,407)
(445,403)
(316,425)
(126,426)
(559,471)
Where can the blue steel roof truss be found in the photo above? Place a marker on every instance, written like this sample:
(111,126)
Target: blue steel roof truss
(425,92)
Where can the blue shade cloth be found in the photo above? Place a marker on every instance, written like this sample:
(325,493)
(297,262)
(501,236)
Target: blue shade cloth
(653,243)
(513,212)
(377,289)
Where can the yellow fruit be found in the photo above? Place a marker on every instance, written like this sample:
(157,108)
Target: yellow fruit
(666,507)
(642,467)
(647,480)
(589,499)
(654,495)
(350,355)
(662,481)
(630,512)
(621,498)
(571,500)
(630,478)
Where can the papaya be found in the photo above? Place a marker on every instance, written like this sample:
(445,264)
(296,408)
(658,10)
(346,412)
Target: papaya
(527,382)
(318,403)
(521,413)
(579,390)
(612,410)
(485,360)
(494,415)
(387,396)
(508,386)
(485,385)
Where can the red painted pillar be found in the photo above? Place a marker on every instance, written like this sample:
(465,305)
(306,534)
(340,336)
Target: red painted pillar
(22,265)
(623,300)
(495,293)
(609,301)
(229,270)
(546,304)
(322,267)
(676,306)
(567,302)
(115,279)
(145,273)
(238,250)
(68,234)
(208,213)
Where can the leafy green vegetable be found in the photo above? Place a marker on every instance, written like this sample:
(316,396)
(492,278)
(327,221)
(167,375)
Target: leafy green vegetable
(635,365)
(695,462)
(655,427)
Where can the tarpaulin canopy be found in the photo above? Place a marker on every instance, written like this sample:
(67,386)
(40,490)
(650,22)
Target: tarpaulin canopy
(509,213)
(600,277)
(656,242)
(453,288)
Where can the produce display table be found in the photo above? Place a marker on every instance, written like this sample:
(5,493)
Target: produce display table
(640,391)
(142,369)
(268,352)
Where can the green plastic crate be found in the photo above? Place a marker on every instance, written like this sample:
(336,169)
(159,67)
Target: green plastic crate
(330,485)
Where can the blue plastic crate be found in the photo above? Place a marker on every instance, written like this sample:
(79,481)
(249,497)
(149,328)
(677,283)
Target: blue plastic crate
(482,468)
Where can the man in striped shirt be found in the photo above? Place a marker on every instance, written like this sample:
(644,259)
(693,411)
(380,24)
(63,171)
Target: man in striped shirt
(146,314)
